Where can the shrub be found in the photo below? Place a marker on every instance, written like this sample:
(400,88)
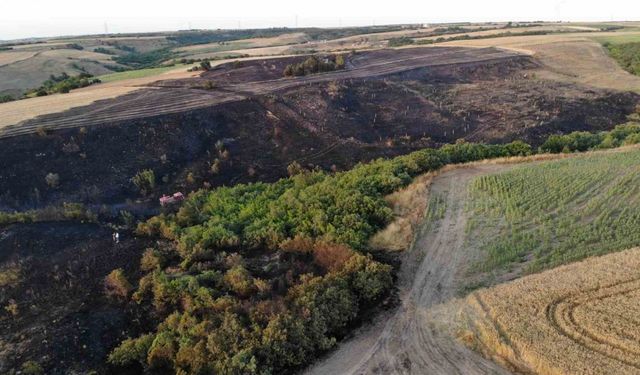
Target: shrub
(32,368)
(400,41)
(205,65)
(215,166)
(131,351)
(6,98)
(313,65)
(295,168)
(52,180)
(12,308)
(9,275)
(150,260)
(145,181)
(331,257)
(239,280)
(116,285)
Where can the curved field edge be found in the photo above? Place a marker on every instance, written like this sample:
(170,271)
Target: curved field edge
(575,319)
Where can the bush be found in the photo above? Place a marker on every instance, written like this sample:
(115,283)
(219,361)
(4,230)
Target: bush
(150,260)
(205,65)
(6,98)
(313,65)
(63,84)
(400,41)
(116,285)
(52,180)
(239,280)
(627,55)
(32,368)
(145,181)
(131,351)
(583,141)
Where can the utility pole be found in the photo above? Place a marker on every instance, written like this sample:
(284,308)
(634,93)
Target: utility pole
(296,21)
(106,28)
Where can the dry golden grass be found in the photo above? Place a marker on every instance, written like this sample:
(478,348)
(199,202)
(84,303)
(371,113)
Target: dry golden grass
(11,57)
(21,110)
(409,206)
(572,57)
(576,319)
(9,275)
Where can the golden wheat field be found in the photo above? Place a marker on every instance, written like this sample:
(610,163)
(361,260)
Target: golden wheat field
(583,318)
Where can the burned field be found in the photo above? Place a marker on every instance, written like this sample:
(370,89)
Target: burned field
(250,124)
(56,310)
(385,103)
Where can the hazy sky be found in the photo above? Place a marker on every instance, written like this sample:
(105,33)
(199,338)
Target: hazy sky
(29,18)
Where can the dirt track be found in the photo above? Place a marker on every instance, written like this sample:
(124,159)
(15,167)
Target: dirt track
(407,341)
(182,96)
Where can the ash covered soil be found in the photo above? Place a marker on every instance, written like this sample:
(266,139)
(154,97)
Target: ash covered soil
(63,319)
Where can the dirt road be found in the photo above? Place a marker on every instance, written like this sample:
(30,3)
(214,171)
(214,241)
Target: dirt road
(407,341)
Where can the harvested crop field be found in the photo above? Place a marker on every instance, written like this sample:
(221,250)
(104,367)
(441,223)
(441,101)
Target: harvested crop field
(573,58)
(576,319)
(14,112)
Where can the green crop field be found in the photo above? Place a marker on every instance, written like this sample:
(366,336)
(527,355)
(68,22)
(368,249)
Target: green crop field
(618,39)
(139,73)
(555,212)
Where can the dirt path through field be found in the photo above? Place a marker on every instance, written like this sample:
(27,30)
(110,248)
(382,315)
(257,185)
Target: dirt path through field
(406,341)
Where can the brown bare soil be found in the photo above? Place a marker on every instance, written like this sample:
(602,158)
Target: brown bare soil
(575,319)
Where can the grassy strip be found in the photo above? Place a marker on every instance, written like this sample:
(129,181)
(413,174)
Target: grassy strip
(68,212)
(627,55)
(138,73)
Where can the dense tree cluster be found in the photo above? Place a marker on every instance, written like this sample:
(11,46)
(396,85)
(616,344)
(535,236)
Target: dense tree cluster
(627,134)
(400,41)
(263,277)
(314,65)
(63,84)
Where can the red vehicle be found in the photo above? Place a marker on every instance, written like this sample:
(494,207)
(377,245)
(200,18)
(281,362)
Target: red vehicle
(171,199)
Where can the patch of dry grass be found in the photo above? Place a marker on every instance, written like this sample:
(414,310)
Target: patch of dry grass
(568,57)
(576,319)
(9,275)
(409,206)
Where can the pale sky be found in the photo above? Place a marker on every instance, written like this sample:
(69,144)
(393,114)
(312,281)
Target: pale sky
(37,18)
